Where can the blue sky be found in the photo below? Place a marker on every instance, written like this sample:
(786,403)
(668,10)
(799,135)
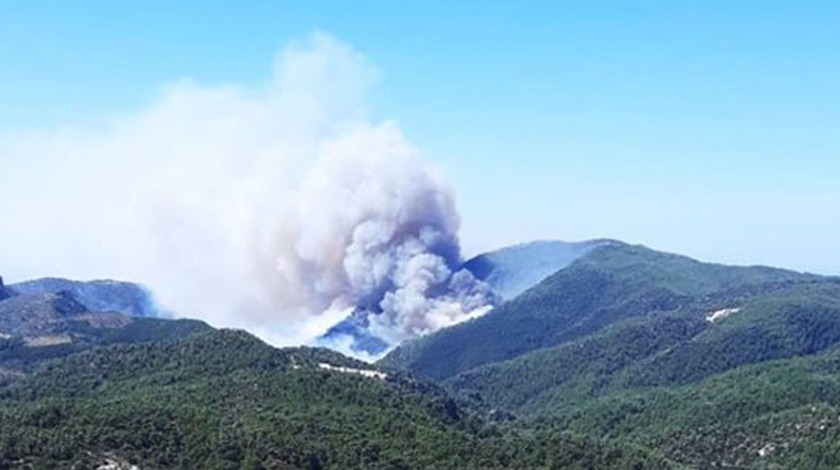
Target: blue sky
(707,128)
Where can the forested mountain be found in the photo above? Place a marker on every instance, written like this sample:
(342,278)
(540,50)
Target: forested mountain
(84,389)
(98,296)
(34,328)
(225,400)
(625,358)
(613,283)
(709,365)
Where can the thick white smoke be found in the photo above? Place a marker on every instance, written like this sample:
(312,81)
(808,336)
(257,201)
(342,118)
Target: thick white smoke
(277,209)
(373,227)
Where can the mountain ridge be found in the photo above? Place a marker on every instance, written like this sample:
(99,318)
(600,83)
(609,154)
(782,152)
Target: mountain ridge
(103,295)
(513,269)
(610,283)
(35,328)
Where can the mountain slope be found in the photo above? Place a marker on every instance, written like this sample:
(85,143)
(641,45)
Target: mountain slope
(775,414)
(671,349)
(612,283)
(98,296)
(711,366)
(33,314)
(507,272)
(34,328)
(223,399)
(512,270)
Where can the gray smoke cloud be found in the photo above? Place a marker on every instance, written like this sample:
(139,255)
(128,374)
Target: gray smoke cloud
(278,208)
(378,230)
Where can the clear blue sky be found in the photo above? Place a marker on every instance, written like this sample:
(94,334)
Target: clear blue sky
(708,128)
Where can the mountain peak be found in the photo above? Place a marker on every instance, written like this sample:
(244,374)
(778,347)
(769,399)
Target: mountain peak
(512,270)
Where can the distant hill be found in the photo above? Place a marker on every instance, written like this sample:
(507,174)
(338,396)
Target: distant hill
(98,296)
(33,314)
(612,283)
(39,327)
(512,270)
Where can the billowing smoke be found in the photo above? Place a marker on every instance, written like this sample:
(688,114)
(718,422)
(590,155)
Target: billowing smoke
(373,228)
(280,209)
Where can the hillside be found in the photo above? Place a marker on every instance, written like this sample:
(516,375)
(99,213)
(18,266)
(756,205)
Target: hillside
(223,399)
(98,296)
(508,272)
(709,365)
(612,283)
(677,348)
(514,269)
(34,328)
(775,414)
(83,389)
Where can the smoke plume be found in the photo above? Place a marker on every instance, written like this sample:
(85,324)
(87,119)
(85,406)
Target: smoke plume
(278,209)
